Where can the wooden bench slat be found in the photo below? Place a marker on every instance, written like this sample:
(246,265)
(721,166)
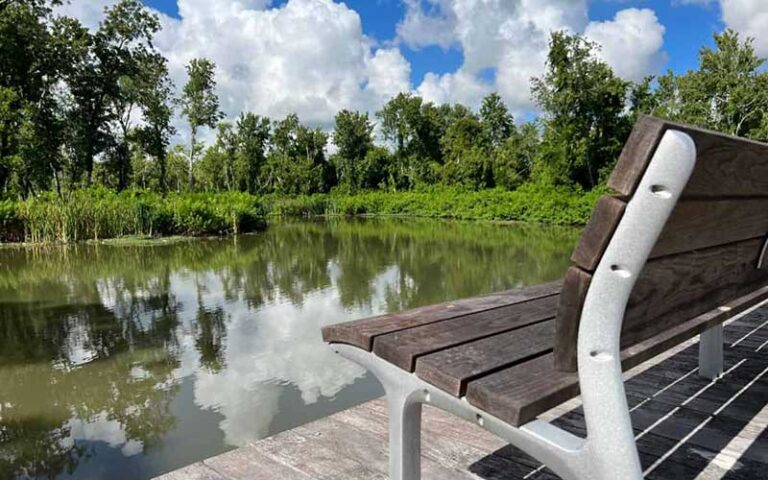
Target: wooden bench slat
(702,224)
(693,225)
(677,288)
(519,394)
(403,347)
(453,368)
(598,232)
(636,154)
(360,333)
(640,352)
(726,166)
(575,286)
(670,290)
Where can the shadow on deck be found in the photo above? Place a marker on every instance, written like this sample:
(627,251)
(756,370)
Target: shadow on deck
(687,428)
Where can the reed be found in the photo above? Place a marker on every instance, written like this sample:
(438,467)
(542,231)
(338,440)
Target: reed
(96,214)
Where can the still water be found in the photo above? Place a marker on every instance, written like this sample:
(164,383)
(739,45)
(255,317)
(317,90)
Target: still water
(126,362)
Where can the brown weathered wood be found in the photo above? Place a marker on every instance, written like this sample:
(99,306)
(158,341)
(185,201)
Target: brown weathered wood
(360,333)
(668,338)
(598,232)
(403,347)
(636,155)
(707,223)
(453,368)
(496,348)
(520,393)
(674,289)
(575,286)
(726,166)
(671,290)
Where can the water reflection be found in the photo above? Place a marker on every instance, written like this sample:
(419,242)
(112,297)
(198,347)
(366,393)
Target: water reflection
(126,362)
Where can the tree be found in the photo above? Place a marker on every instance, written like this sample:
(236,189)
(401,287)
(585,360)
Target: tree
(376,169)
(414,127)
(496,120)
(353,136)
(467,159)
(176,162)
(252,141)
(129,63)
(514,159)
(154,135)
(583,104)
(297,165)
(200,104)
(33,53)
(728,93)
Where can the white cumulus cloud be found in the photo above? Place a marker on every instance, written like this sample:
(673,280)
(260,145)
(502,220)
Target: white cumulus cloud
(750,19)
(431,26)
(631,43)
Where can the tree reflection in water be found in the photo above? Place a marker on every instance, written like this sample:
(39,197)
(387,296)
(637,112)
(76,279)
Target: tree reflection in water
(97,341)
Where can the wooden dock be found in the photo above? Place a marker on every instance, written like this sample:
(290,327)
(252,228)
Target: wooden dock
(687,428)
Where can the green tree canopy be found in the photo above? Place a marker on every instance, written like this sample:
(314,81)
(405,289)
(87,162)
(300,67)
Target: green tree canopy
(353,136)
(582,104)
(199,104)
(728,93)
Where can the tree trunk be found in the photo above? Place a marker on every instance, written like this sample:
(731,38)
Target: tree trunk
(192,160)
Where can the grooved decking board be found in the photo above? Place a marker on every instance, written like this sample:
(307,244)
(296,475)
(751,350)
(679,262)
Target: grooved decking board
(403,347)
(360,333)
(452,368)
(726,166)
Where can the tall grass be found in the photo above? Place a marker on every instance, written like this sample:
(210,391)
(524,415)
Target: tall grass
(100,213)
(95,214)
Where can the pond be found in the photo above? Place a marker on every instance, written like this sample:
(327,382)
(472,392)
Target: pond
(131,361)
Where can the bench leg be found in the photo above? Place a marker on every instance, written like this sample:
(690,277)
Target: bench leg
(404,437)
(711,353)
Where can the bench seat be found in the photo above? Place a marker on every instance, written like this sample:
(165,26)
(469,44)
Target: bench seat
(677,250)
(496,350)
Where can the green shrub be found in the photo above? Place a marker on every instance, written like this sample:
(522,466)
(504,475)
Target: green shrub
(530,203)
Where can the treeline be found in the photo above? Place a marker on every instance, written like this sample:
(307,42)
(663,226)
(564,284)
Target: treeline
(81,108)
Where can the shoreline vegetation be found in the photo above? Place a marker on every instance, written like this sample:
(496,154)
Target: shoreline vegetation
(142,217)
(89,118)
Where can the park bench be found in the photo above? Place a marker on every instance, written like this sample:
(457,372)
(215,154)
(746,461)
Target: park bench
(680,249)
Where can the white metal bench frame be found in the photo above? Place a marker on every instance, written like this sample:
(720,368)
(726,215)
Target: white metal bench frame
(609,451)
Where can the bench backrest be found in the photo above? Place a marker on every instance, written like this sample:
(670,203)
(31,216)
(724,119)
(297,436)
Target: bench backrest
(704,267)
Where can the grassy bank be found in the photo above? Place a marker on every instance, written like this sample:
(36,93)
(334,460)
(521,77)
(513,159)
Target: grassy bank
(527,204)
(98,214)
